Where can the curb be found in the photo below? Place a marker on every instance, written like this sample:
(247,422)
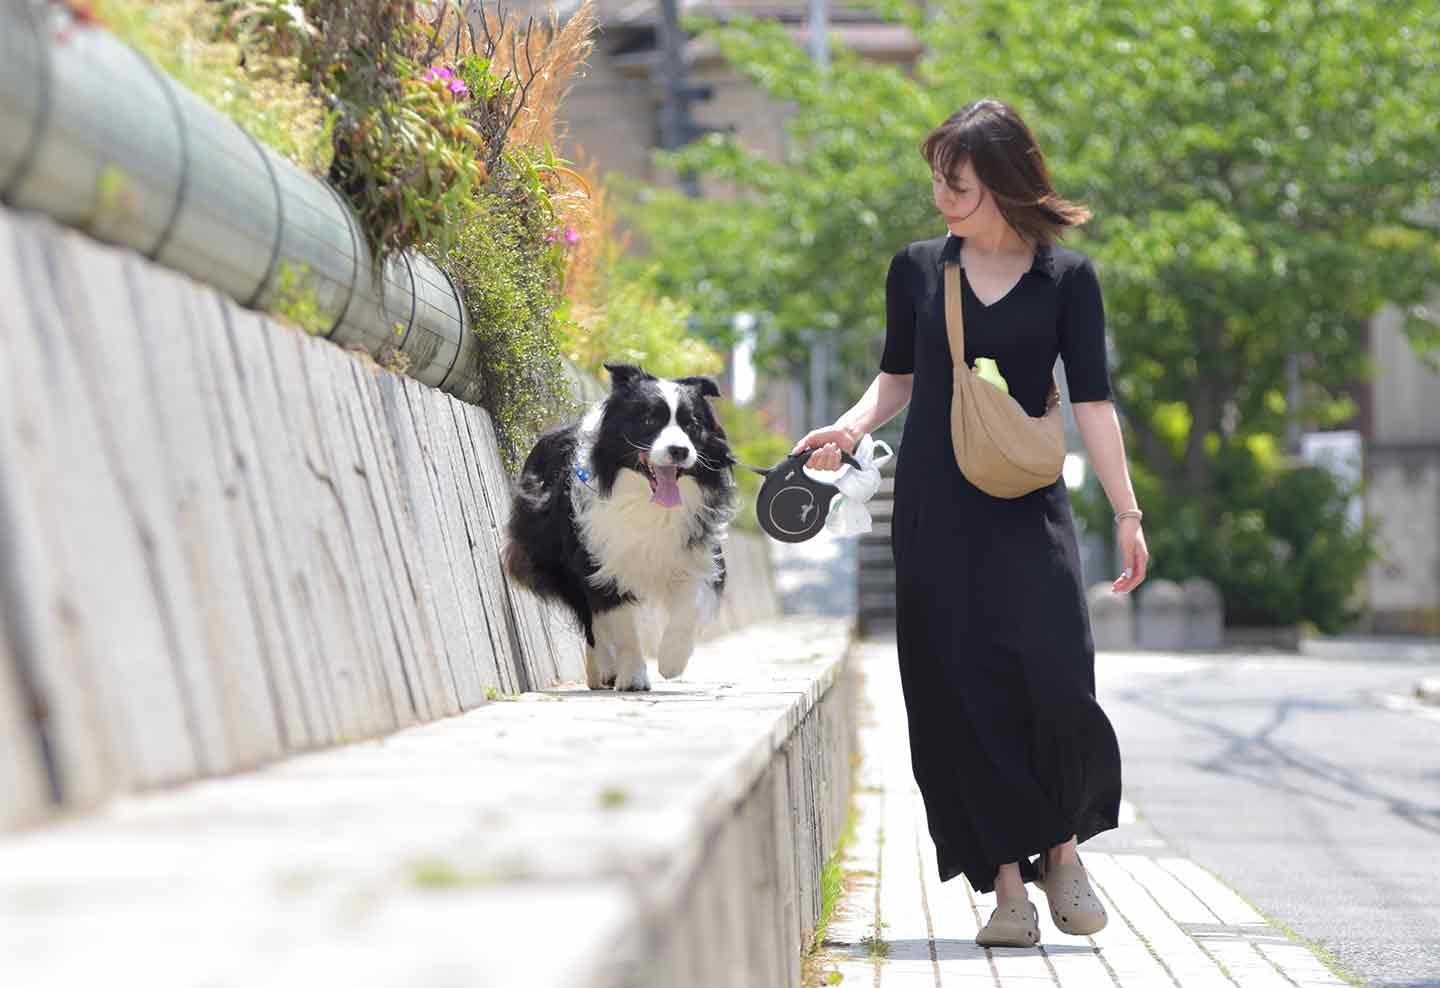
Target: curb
(570,837)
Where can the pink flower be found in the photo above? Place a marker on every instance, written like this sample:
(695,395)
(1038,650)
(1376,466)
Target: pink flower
(458,87)
(572,235)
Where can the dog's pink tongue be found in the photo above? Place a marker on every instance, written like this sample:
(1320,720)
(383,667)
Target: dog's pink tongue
(667,491)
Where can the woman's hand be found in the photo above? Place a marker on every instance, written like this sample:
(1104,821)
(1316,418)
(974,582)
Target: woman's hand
(1133,554)
(831,440)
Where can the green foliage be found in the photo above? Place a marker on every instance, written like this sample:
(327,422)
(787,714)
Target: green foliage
(507,269)
(415,141)
(279,27)
(261,92)
(637,324)
(440,875)
(1273,537)
(409,162)
(295,300)
(1291,558)
(614,797)
(405,152)
(806,244)
(1262,178)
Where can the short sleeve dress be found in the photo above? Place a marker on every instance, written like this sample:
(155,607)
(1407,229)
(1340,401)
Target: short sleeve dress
(1010,749)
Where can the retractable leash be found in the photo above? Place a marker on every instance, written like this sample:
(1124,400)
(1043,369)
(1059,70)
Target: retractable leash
(792,505)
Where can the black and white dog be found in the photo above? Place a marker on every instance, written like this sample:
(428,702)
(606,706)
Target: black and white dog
(629,505)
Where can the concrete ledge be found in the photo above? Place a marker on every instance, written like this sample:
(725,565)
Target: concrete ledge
(223,541)
(570,838)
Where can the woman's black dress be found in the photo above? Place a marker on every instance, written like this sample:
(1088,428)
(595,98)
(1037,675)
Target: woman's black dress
(1010,750)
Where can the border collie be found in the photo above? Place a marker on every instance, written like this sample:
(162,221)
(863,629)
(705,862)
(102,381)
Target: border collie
(625,506)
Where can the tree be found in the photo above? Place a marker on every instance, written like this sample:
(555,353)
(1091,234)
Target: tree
(1263,175)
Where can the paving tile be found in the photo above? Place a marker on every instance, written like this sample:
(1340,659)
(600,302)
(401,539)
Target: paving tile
(1172,923)
(1124,953)
(1300,965)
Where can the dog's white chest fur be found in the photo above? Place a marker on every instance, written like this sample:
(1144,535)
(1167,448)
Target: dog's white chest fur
(640,545)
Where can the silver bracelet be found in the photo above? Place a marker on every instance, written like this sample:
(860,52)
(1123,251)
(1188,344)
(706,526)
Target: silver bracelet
(1135,513)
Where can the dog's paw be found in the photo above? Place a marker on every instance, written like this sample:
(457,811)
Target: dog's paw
(597,677)
(636,683)
(597,680)
(674,657)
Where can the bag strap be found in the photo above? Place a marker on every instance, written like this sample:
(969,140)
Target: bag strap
(955,329)
(954,313)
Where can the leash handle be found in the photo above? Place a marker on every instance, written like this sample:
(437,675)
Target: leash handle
(845,457)
(801,456)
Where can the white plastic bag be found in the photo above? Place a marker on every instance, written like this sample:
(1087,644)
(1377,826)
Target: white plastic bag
(848,514)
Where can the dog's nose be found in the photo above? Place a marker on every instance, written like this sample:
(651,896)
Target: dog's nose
(678,454)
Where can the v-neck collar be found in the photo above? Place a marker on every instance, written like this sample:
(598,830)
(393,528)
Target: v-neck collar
(1044,261)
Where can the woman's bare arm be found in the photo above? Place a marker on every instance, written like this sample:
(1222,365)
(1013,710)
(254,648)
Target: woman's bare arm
(881,402)
(1100,429)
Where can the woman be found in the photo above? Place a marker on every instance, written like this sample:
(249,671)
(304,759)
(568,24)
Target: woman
(1013,756)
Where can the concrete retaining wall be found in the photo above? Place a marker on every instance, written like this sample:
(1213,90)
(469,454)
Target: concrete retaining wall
(222,540)
(746,911)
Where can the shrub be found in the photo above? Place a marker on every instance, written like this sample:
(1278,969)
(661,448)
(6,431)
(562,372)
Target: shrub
(507,268)
(1273,537)
(262,92)
(405,152)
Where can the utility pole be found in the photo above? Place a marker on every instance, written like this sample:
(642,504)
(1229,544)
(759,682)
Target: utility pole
(821,352)
(677,128)
(819,33)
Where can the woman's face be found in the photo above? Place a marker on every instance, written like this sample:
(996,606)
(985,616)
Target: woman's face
(968,207)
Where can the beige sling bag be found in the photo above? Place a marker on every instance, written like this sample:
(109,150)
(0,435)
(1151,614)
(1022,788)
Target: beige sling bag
(999,447)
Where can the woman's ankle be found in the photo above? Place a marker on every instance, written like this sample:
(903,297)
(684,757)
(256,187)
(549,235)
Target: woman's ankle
(1065,853)
(1009,886)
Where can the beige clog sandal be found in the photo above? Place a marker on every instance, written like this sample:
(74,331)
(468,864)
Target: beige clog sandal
(1074,906)
(1012,924)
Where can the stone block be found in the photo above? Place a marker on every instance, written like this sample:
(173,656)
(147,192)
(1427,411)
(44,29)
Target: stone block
(1160,622)
(1112,618)
(1204,615)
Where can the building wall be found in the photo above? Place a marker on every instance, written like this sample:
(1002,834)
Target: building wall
(1402,474)
(1407,404)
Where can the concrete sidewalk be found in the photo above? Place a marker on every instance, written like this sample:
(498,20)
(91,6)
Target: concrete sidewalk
(570,837)
(1171,922)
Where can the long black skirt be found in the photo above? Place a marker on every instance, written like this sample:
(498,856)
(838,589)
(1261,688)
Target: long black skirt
(1010,750)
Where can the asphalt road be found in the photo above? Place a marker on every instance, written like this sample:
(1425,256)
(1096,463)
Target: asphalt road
(1311,785)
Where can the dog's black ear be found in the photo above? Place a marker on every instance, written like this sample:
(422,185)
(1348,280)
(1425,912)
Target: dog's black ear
(623,374)
(706,385)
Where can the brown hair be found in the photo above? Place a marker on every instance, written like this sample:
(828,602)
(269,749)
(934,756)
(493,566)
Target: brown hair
(991,135)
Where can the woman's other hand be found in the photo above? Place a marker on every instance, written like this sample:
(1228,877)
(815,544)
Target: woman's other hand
(830,440)
(1134,555)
